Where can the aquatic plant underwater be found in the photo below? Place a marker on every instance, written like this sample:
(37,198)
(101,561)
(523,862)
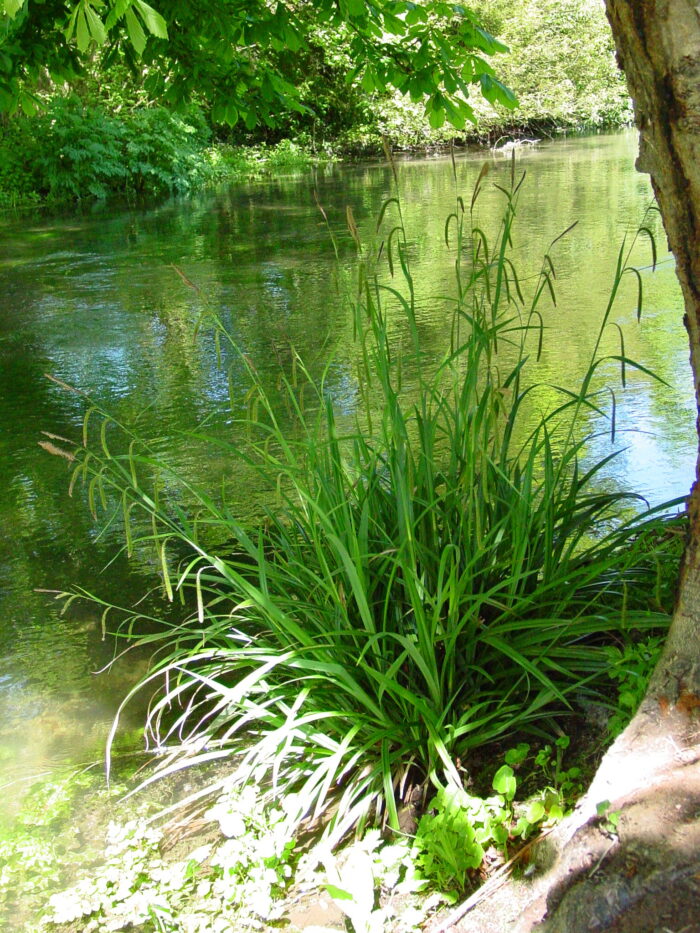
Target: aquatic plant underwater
(436,572)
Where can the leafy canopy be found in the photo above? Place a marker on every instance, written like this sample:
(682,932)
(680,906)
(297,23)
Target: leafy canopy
(236,54)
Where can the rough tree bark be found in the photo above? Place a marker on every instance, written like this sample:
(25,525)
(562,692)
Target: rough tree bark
(659,50)
(653,769)
(658,44)
(646,877)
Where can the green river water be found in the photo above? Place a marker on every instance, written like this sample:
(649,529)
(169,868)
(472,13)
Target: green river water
(92,299)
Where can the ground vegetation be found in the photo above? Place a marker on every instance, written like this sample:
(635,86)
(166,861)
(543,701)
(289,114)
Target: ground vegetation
(401,618)
(436,584)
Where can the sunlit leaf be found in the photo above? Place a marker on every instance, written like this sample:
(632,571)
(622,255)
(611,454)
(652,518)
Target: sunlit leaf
(12,7)
(155,23)
(136,34)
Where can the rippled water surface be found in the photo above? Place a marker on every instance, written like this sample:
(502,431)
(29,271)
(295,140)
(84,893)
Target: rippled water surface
(93,299)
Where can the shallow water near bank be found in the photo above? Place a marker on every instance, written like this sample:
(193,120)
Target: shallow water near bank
(95,300)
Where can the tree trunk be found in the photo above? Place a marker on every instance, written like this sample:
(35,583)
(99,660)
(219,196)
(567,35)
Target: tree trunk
(658,46)
(646,877)
(652,772)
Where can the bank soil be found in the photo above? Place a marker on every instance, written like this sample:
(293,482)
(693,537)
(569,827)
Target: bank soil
(642,877)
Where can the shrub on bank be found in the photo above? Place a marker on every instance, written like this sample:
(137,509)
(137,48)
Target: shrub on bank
(72,151)
(437,574)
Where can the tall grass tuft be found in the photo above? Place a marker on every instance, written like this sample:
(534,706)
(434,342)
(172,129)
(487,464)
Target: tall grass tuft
(435,574)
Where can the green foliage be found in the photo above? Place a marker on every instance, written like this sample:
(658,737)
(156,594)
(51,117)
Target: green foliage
(609,819)
(631,666)
(322,77)
(42,843)
(549,760)
(457,829)
(18,149)
(234,55)
(73,151)
(77,151)
(253,866)
(227,162)
(435,574)
(561,63)
(238,878)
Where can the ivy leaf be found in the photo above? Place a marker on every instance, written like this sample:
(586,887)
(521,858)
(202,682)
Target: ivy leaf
(504,782)
(516,756)
(536,811)
(556,812)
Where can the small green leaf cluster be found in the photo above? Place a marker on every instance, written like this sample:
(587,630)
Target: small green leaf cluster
(549,759)
(561,790)
(631,666)
(41,844)
(375,883)
(457,829)
(242,874)
(254,864)
(609,819)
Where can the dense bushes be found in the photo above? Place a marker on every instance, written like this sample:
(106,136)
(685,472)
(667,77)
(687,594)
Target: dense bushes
(561,63)
(74,151)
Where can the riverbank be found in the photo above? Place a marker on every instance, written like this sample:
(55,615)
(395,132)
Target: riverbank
(73,153)
(112,129)
(96,302)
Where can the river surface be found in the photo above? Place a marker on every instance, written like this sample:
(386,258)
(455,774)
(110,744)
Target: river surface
(92,299)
